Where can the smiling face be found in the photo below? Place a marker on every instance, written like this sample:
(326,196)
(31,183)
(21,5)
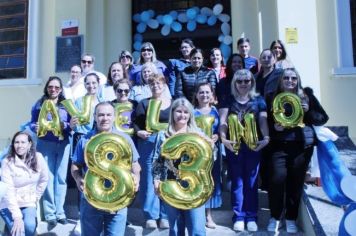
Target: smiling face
(243,85)
(122,92)
(22,145)
(117,72)
(244,49)
(197,60)
(104,117)
(289,81)
(157,87)
(204,95)
(236,63)
(277,49)
(54,89)
(75,73)
(147,53)
(87,64)
(216,58)
(181,116)
(185,49)
(125,59)
(146,73)
(91,84)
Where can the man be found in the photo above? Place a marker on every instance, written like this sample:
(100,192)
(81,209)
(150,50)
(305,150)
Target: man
(94,221)
(87,64)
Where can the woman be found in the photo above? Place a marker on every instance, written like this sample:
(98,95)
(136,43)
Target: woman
(152,206)
(267,77)
(74,88)
(148,54)
(290,153)
(203,101)
(192,75)
(55,151)
(243,167)
(142,90)
(126,60)
(25,173)
(216,63)
(177,65)
(181,120)
(251,63)
(116,72)
(279,50)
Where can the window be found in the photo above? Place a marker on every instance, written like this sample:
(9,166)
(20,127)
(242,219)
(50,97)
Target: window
(13,38)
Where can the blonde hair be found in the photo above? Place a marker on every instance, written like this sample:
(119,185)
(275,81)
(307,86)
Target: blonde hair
(240,74)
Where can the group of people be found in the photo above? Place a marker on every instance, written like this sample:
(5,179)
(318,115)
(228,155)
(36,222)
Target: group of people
(186,88)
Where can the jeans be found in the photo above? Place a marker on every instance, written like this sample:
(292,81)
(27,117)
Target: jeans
(29,215)
(243,171)
(57,156)
(193,220)
(94,221)
(153,207)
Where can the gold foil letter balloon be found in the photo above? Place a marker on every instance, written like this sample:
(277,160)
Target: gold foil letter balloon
(196,171)
(205,122)
(53,125)
(83,115)
(108,183)
(152,117)
(238,131)
(293,120)
(122,120)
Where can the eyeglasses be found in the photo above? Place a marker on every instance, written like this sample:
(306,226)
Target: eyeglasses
(146,50)
(126,91)
(293,78)
(87,62)
(243,81)
(53,87)
(126,56)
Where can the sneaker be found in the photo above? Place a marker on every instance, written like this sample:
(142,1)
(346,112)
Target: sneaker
(291,226)
(151,224)
(63,221)
(239,225)
(273,225)
(252,226)
(163,224)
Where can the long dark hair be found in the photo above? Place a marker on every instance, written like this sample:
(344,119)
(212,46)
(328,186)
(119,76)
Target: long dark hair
(229,72)
(30,157)
(284,52)
(45,91)
(211,52)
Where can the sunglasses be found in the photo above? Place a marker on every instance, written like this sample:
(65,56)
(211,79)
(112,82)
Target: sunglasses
(87,62)
(293,78)
(53,87)
(126,91)
(126,56)
(146,50)
(244,81)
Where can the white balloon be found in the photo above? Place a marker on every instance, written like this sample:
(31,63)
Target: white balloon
(227,40)
(348,186)
(221,38)
(166,29)
(350,222)
(225,28)
(224,17)
(153,24)
(182,17)
(206,11)
(218,8)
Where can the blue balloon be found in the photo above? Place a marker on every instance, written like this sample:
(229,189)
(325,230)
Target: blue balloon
(225,50)
(160,19)
(201,19)
(212,20)
(138,37)
(152,23)
(137,45)
(176,26)
(136,18)
(145,16)
(167,19)
(173,14)
(166,29)
(191,13)
(191,26)
(182,17)
(141,27)
(151,13)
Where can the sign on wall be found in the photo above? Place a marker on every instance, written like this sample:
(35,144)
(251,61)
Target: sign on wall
(68,52)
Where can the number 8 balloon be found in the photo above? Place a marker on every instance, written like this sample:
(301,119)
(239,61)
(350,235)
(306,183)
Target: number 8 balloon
(108,157)
(196,171)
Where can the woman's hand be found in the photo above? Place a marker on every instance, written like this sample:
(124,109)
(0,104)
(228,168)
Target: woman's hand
(74,121)
(305,107)
(278,127)
(156,184)
(136,182)
(228,144)
(143,134)
(262,143)
(18,227)
(215,138)
(80,183)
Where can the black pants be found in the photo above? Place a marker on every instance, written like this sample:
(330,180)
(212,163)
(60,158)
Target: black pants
(288,165)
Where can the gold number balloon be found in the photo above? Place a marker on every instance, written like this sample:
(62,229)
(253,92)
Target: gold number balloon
(83,115)
(152,117)
(296,118)
(238,131)
(121,120)
(45,125)
(108,157)
(205,122)
(196,171)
